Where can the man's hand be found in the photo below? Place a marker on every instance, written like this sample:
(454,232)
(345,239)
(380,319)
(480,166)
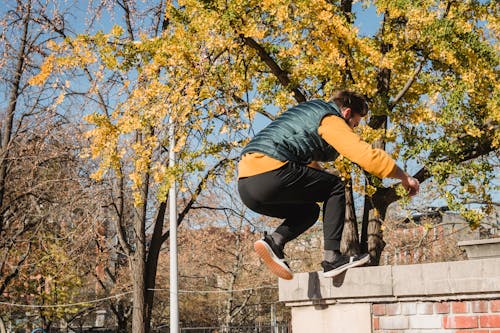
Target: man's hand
(410,184)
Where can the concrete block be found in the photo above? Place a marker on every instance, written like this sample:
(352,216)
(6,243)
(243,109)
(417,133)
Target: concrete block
(425,321)
(434,279)
(473,276)
(363,282)
(404,278)
(338,318)
(450,278)
(356,282)
(304,287)
(482,248)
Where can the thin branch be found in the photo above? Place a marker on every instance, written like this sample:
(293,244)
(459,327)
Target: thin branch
(275,68)
(124,5)
(218,268)
(388,195)
(240,308)
(120,230)
(197,192)
(13,274)
(245,104)
(407,86)
(62,33)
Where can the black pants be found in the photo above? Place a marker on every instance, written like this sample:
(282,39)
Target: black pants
(292,193)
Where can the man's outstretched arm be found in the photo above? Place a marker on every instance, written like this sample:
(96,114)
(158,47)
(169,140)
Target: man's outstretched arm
(340,136)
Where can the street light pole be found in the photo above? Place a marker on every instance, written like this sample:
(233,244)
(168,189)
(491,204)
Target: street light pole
(174,292)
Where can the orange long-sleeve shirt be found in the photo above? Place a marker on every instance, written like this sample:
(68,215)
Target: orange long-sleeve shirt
(335,131)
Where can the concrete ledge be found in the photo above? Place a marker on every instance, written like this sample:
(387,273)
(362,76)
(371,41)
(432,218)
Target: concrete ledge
(483,248)
(458,278)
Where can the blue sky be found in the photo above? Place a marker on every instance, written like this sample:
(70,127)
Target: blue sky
(367,19)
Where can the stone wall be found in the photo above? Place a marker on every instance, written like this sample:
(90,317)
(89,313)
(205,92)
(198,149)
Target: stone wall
(461,296)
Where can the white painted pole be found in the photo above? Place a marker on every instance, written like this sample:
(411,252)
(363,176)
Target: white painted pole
(174,286)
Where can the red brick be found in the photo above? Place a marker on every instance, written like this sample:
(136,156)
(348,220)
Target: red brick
(492,321)
(459,307)
(378,309)
(495,305)
(479,306)
(460,322)
(472,331)
(442,307)
(376,324)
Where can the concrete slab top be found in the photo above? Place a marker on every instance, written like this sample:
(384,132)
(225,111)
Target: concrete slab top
(433,279)
(479,242)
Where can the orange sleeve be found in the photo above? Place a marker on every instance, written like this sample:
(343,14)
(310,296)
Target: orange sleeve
(346,142)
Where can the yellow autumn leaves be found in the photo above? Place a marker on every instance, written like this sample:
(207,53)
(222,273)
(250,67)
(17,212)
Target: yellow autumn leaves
(199,73)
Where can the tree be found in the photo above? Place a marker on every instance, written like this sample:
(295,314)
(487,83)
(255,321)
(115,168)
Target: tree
(129,137)
(221,280)
(16,63)
(210,66)
(53,212)
(220,256)
(429,72)
(42,197)
(29,119)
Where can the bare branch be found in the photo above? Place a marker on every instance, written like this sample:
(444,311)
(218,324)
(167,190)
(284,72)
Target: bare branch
(275,68)
(119,221)
(13,274)
(262,112)
(194,196)
(218,268)
(124,5)
(407,86)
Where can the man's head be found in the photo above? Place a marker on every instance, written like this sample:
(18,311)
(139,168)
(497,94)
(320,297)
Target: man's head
(352,105)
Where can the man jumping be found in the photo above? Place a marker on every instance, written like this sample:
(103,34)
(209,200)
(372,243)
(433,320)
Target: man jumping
(278,176)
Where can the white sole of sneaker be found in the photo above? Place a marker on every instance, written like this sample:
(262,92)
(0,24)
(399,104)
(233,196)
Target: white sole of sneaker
(275,264)
(341,269)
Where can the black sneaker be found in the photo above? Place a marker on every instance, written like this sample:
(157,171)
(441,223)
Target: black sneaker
(342,263)
(273,257)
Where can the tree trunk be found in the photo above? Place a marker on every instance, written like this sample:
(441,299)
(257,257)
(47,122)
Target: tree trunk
(120,311)
(373,215)
(138,270)
(371,238)
(122,326)
(2,326)
(140,322)
(152,262)
(11,108)
(228,315)
(350,236)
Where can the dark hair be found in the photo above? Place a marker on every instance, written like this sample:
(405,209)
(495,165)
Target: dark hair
(350,99)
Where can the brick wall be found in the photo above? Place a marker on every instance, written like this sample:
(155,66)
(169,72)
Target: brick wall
(477,316)
(445,297)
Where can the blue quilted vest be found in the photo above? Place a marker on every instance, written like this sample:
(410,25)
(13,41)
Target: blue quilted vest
(293,136)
